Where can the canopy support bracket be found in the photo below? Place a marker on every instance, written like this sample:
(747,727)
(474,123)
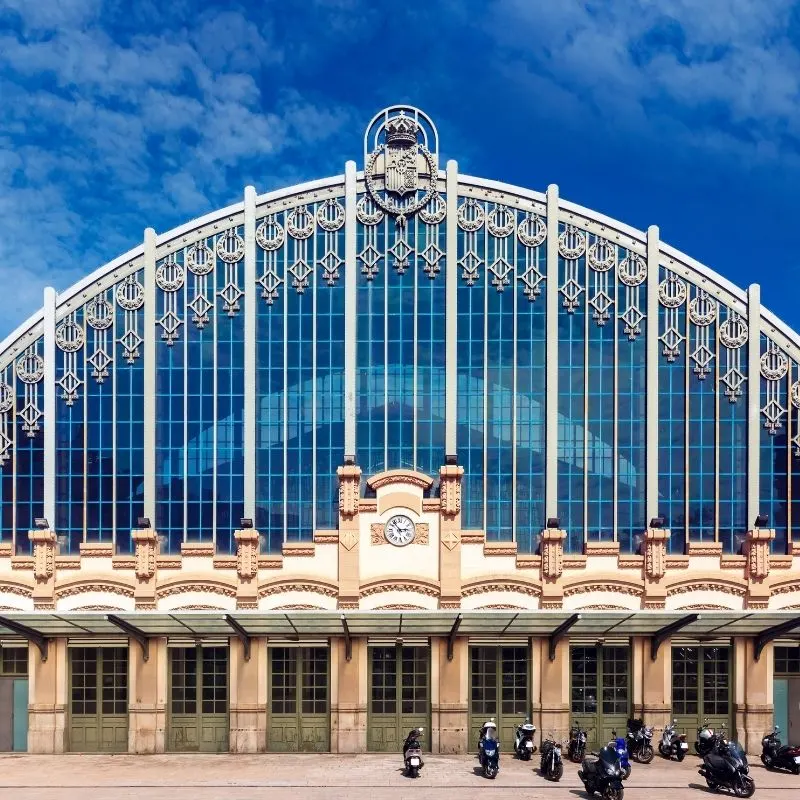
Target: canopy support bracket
(560,632)
(661,635)
(137,634)
(770,634)
(27,633)
(348,640)
(244,636)
(451,637)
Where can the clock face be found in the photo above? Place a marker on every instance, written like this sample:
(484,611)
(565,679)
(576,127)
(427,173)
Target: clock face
(399,530)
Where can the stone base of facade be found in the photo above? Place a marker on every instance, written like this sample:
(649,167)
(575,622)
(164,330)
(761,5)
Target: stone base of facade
(47,729)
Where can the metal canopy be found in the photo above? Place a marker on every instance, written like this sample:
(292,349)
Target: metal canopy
(660,636)
(133,632)
(306,625)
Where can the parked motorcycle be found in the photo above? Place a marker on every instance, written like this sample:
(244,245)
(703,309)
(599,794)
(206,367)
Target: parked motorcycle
(621,747)
(523,740)
(552,766)
(726,767)
(640,738)
(577,744)
(412,753)
(706,739)
(673,743)
(777,756)
(603,774)
(489,750)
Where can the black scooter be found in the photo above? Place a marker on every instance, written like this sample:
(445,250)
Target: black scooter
(726,768)
(577,744)
(777,756)
(640,738)
(552,766)
(603,774)
(707,739)
(412,753)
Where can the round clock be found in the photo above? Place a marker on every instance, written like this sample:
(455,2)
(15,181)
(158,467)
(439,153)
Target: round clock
(399,530)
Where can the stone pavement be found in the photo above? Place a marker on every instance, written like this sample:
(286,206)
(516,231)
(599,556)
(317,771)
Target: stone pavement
(334,777)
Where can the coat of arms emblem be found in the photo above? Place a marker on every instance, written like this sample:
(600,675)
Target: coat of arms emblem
(400,173)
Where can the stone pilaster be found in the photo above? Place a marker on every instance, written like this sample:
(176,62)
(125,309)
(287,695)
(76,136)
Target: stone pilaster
(756,549)
(450,714)
(349,576)
(349,696)
(656,682)
(147,705)
(552,550)
(146,547)
(248,710)
(654,550)
(450,541)
(554,688)
(753,700)
(247,545)
(47,692)
(45,545)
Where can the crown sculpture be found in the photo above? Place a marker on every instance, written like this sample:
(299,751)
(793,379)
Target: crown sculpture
(401,131)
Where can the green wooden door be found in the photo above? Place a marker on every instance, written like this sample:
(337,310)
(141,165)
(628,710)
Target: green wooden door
(198,711)
(701,688)
(498,688)
(399,696)
(20,718)
(299,709)
(599,691)
(14,699)
(98,721)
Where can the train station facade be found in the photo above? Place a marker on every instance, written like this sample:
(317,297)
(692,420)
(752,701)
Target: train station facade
(398,447)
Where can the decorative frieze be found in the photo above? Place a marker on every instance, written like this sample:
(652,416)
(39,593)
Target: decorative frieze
(757,551)
(145,550)
(552,549)
(349,489)
(450,490)
(655,552)
(44,554)
(246,553)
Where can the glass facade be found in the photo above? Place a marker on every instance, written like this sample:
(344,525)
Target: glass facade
(284,308)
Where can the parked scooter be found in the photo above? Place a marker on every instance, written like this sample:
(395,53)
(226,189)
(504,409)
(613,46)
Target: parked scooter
(603,774)
(777,756)
(577,744)
(620,745)
(707,739)
(726,767)
(523,740)
(412,753)
(552,766)
(640,741)
(673,743)
(489,750)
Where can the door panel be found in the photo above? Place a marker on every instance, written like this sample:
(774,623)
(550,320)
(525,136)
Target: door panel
(399,696)
(780,700)
(6,715)
(599,691)
(794,712)
(20,743)
(299,719)
(98,699)
(701,688)
(499,689)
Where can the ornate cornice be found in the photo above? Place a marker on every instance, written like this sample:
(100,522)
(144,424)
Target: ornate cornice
(473,537)
(703,607)
(504,607)
(400,607)
(197,549)
(326,537)
(706,586)
(489,585)
(614,588)
(299,607)
(399,586)
(418,479)
(202,587)
(84,587)
(281,587)
(18,589)
(786,588)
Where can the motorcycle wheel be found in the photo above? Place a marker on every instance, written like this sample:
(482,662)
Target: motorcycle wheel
(796,769)
(626,772)
(525,755)
(558,772)
(681,755)
(613,794)
(414,772)
(490,772)
(766,761)
(646,754)
(711,785)
(663,750)
(746,788)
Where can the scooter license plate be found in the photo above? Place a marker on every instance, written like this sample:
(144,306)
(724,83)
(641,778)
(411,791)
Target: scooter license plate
(414,761)
(684,746)
(529,745)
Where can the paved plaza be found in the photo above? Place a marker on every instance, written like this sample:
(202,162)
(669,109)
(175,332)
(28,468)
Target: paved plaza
(350,777)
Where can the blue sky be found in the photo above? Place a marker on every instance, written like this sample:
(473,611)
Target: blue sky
(115,116)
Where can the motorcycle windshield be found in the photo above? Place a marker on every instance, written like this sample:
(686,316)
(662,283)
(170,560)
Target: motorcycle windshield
(737,751)
(608,755)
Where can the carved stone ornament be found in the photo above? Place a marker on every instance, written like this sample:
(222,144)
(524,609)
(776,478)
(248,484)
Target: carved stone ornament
(552,548)
(774,364)
(246,553)
(757,549)
(145,550)
(655,552)
(200,259)
(733,332)
(571,243)
(30,367)
(6,397)
(450,490)
(99,314)
(632,269)
(330,214)
(170,275)
(672,292)
(471,215)
(400,174)
(602,255)
(348,538)
(349,490)
(532,231)
(44,554)
(270,234)
(130,294)
(702,309)
(450,539)
(501,221)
